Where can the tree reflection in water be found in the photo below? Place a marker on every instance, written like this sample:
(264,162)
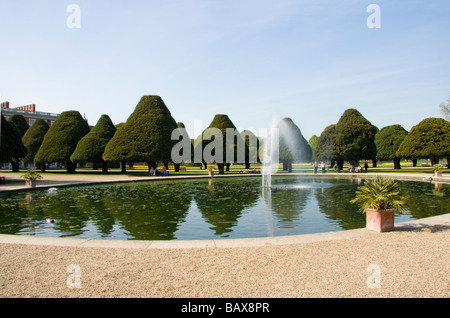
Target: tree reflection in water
(229,207)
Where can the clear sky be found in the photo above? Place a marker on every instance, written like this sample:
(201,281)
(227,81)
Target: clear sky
(250,59)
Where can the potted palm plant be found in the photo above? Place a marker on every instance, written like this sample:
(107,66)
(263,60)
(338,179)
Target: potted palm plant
(380,198)
(211,171)
(30,178)
(437,169)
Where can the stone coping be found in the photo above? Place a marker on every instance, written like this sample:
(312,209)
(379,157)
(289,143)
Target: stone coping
(219,243)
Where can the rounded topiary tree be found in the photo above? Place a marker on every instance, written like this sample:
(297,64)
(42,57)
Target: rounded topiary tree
(11,146)
(388,140)
(62,138)
(146,135)
(91,147)
(355,138)
(430,139)
(32,140)
(325,148)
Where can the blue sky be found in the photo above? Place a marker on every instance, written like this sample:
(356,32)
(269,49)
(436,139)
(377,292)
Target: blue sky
(307,60)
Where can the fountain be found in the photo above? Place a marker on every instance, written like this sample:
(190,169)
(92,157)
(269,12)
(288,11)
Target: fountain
(271,155)
(270,152)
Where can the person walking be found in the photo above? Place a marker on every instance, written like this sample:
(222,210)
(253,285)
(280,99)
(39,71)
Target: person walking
(316,166)
(323,167)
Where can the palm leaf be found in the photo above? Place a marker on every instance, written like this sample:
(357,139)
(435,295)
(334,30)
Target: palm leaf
(380,193)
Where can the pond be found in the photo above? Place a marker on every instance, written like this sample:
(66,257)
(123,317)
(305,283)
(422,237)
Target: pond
(198,209)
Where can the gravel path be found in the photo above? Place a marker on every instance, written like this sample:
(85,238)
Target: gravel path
(403,263)
(410,263)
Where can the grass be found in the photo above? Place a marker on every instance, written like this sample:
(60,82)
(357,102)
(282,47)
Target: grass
(140,170)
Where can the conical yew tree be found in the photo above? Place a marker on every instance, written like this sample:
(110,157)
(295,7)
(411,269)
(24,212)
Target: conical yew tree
(355,137)
(11,146)
(388,140)
(33,139)
(215,148)
(91,147)
(22,126)
(62,138)
(146,135)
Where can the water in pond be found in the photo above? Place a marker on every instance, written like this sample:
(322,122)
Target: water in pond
(203,208)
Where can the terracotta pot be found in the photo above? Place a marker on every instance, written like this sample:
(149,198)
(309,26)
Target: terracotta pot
(30,183)
(211,173)
(438,173)
(380,220)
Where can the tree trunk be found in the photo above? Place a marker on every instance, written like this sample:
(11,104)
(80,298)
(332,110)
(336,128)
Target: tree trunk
(42,166)
(70,166)
(104,167)
(94,165)
(448,163)
(220,166)
(124,167)
(15,166)
(414,162)
(434,161)
(227,165)
(397,164)
(247,165)
(176,167)
(340,164)
(374,163)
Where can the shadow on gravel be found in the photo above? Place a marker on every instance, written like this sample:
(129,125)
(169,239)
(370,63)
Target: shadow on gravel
(420,227)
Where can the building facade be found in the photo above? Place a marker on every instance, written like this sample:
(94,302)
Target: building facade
(29,112)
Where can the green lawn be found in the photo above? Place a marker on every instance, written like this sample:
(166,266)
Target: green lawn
(382,167)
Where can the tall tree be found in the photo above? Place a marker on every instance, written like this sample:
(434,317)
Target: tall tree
(62,138)
(312,142)
(430,139)
(388,140)
(32,140)
(251,147)
(91,147)
(214,146)
(11,146)
(293,147)
(185,157)
(22,126)
(20,122)
(326,146)
(355,137)
(146,135)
